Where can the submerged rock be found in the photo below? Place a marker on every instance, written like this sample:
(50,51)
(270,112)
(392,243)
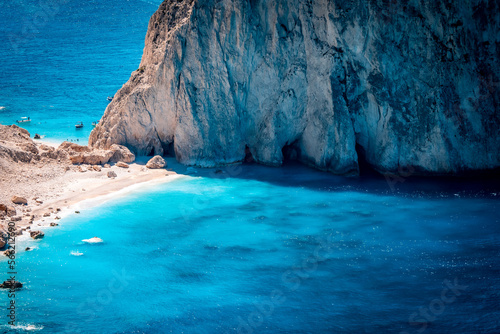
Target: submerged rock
(157,162)
(409,84)
(11,285)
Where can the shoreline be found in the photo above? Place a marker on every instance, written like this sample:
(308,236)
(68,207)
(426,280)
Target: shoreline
(95,198)
(53,188)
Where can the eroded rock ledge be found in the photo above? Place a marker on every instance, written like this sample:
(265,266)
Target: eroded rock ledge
(403,83)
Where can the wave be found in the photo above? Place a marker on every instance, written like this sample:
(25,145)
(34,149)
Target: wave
(24,327)
(94,240)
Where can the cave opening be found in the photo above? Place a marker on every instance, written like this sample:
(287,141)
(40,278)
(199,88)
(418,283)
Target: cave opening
(248,155)
(365,169)
(290,152)
(151,152)
(168,149)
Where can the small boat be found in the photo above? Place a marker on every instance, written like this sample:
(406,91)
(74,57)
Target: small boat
(24,120)
(95,123)
(110,98)
(79,125)
(76,253)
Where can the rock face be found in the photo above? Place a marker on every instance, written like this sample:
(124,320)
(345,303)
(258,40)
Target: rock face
(398,84)
(157,162)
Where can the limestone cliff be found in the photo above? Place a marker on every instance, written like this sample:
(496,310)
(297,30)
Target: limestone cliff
(403,83)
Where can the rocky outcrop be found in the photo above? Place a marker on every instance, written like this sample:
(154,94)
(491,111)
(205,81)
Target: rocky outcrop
(398,84)
(157,162)
(79,154)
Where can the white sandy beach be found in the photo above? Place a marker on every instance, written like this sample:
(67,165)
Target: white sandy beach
(55,188)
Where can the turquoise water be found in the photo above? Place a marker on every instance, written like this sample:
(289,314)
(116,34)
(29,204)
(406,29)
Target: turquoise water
(208,254)
(61,59)
(254,250)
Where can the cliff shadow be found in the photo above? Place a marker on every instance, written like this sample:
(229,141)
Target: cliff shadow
(295,174)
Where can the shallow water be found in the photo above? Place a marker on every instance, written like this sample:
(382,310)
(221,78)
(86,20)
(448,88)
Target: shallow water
(208,254)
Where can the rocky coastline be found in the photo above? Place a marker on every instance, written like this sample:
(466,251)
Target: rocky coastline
(38,181)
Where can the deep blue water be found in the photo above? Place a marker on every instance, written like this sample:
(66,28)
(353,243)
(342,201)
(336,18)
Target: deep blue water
(61,59)
(254,250)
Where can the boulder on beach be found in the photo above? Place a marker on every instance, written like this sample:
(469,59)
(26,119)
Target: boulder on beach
(19,200)
(11,211)
(121,153)
(37,234)
(54,224)
(94,240)
(157,162)
(11,285)
(111,174)
(122,164)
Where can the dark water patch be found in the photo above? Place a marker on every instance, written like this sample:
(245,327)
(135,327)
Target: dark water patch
(238,250)
(192,276)
(296,175)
